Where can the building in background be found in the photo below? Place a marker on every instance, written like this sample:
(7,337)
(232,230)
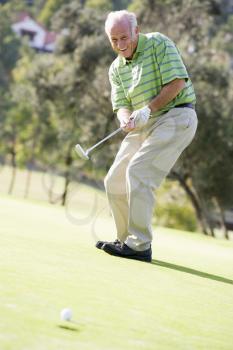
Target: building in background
(38,37)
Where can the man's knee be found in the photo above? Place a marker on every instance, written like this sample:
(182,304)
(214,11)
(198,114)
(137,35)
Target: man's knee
(114,183)
(133,174)
(108,182)
(141,174)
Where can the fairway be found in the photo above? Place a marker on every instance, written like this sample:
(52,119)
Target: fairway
(183,300)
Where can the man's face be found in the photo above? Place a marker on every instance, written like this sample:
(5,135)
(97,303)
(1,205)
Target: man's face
(123,41)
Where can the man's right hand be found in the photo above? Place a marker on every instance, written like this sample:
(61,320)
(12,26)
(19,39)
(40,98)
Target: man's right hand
(126,122)
(128,126)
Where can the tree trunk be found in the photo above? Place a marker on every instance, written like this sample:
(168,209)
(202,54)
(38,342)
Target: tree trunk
(50,190)
(222,218)
(210,224)
(13,175)
(31,162)
(225,230)
(65,192)
(68,163)
(195,203)
(28,182)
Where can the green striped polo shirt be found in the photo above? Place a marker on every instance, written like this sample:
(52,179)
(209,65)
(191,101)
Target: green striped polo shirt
(156,62)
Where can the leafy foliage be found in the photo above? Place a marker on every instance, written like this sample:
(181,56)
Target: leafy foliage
(53,101)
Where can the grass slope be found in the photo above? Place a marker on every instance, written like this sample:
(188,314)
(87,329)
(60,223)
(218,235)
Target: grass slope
(183,300)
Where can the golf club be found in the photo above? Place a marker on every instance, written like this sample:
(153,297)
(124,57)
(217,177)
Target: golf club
(85,154)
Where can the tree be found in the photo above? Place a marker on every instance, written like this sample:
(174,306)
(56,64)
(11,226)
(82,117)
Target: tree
(68,94)
(61,96)
(9,54)
(195,27)
(106,5)
(49,8)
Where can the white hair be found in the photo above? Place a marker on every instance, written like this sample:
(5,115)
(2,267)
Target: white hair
(117,16)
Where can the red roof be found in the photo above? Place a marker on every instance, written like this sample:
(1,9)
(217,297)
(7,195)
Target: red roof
(50,37)
(22,16)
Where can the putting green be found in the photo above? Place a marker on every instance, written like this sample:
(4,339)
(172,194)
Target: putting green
(183,300)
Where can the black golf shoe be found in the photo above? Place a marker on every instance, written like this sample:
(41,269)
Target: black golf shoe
(124,251)
(100,244)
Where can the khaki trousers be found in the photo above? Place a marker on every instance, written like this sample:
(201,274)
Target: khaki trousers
(144,159)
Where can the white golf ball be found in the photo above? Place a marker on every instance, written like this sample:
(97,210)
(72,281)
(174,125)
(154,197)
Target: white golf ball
(66,315)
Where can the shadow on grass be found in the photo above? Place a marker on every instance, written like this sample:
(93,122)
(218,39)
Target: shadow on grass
(69,328)
(192,271)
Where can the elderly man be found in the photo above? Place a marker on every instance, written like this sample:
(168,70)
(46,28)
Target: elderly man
(154,99)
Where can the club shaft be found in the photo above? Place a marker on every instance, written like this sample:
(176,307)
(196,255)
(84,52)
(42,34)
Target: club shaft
(105,139)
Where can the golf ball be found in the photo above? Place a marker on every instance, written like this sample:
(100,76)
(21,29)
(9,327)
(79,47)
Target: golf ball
(66,314)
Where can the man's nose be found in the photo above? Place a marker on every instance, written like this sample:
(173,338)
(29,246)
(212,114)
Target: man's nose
(120,44)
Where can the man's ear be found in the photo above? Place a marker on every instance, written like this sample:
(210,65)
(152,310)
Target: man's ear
(134,32)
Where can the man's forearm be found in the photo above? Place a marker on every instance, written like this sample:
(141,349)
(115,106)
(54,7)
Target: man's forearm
(129,120)
(167,94)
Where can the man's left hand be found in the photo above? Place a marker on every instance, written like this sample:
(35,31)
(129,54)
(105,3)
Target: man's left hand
(141,116)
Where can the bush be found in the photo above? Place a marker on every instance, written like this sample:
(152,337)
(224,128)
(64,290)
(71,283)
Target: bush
(176,216)
(174,209)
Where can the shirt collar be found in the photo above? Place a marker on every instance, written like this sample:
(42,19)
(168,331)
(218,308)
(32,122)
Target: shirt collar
(140,47)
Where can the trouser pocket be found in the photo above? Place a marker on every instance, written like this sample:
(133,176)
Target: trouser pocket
(186,118)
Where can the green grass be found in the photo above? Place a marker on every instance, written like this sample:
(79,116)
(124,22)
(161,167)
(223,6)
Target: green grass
(183,300)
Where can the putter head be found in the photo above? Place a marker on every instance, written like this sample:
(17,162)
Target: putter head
(80,151)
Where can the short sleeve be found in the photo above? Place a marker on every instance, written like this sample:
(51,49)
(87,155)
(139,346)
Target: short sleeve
(118,97)
(170,63)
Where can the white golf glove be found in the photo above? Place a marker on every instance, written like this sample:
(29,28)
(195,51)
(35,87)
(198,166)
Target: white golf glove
(141,116)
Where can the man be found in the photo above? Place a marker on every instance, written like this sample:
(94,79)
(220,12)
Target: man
(154,100)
